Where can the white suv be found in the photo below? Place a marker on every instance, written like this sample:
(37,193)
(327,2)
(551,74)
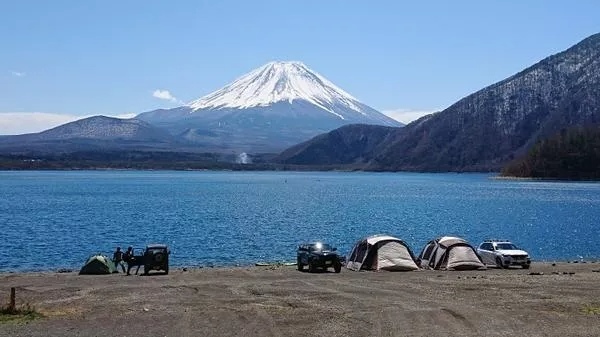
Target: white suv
(503,254)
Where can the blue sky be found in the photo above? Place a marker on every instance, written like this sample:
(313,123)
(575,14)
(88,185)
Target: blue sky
(62,60)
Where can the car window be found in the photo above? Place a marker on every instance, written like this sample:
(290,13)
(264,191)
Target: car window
(487,246)
(506,246)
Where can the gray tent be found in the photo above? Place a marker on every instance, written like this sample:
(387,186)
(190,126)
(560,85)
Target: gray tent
(381,252)
(450,253)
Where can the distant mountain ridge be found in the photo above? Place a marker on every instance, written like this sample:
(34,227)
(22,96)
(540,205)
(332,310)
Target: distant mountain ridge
(350,145)
(485,130)
(102,127)
(93,133)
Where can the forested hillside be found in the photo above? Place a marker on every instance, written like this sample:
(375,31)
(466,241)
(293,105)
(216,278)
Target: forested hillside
(573,154)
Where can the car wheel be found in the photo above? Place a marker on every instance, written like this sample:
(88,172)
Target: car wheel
(337,267)
(311,267)
(499,263)
(300,266)
(146,270)
(525,266)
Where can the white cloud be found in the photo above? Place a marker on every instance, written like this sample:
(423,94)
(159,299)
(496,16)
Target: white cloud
(125,115)
(165,95)
(16,123)
(407,115)
(17,73)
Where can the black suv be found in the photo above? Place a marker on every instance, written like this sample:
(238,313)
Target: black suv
(156,257)
(318,255)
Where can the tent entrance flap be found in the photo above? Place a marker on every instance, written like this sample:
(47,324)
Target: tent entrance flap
(394,256)
(462,257)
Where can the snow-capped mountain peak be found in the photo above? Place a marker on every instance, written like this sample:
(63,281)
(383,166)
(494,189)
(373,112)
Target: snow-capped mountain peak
(273,107)
(280,81)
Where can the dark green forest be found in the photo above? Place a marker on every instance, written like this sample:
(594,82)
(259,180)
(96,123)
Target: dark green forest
(574,154)
(137,160)
(147,160)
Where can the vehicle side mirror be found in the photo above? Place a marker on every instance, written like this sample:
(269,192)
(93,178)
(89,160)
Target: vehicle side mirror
(334,249)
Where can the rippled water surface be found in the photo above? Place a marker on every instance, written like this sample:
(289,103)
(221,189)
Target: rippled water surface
(52,220)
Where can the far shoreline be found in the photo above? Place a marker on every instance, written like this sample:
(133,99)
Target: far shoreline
(493,175)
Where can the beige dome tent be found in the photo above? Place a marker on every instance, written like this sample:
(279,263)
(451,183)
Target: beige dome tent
(381,252)
(450,253)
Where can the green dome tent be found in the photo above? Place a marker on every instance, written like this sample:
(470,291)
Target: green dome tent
(98,264)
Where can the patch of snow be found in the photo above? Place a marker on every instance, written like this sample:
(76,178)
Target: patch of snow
(280,82)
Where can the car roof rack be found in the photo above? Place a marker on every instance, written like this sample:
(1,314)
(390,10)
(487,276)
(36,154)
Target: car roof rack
(495,240)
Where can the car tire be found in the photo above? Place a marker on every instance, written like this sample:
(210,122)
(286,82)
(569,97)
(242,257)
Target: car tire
(146,270)
(499,263)
(337,267)
(300,266)
(525,266)
(311,267)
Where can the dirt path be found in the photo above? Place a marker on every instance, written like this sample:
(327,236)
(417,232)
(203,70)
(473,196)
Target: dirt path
(266,301)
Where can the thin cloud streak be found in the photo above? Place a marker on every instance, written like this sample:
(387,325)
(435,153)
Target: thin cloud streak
(18,73)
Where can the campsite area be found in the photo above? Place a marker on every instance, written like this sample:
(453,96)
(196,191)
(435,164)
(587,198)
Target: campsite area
(547,300)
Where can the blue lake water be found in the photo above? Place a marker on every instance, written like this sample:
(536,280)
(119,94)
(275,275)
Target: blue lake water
(56,219)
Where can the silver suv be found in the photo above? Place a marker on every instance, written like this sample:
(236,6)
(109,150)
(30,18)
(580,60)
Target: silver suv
(503,254)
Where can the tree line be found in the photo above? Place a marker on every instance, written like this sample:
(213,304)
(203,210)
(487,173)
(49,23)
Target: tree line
(573,154)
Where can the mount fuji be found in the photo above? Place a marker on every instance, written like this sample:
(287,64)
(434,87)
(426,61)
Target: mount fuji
(266,110)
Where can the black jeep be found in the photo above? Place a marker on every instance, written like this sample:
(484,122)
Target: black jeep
(156,257)
(318,255)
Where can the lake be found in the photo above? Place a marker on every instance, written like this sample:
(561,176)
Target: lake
(56,219)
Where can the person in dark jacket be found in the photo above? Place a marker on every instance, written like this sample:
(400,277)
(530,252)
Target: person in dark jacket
(132,260)
(118,259)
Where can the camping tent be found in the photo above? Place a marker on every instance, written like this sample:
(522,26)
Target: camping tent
(98,264)
(450,253)
(381,252)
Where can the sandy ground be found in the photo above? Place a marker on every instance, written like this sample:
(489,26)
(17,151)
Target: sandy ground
(280,301)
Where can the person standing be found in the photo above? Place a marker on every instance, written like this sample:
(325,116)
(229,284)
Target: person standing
(118,259)
(128,257)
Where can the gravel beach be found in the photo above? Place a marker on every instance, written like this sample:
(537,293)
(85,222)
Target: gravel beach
(546,300)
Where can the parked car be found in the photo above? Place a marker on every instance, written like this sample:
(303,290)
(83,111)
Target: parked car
(503,254)
(318,255)
(156,257)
